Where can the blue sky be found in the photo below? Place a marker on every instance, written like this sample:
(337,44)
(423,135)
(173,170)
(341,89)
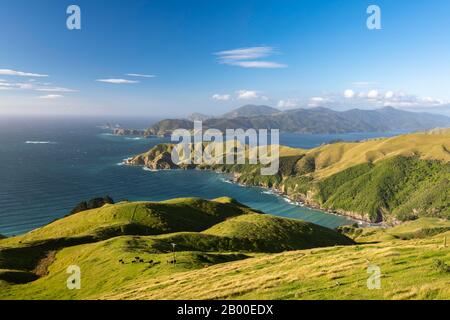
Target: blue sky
(213,55)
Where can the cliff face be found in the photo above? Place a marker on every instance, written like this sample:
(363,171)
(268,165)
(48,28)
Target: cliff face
(158,158)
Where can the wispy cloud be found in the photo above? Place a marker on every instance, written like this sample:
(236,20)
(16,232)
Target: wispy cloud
(377,98)
(51,96)
(258,64)
(117,81)
(140,75)
(250,94)
(221,97)
(9,72)
(249,57)
(288,103)
(55,89)
(35,86)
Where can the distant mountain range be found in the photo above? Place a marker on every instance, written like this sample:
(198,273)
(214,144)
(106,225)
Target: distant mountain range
(250,110)
(314,120)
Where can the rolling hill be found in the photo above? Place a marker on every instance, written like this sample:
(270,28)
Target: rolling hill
(144,218)
(278,233)
(413,258)
(205,233)
(414,269)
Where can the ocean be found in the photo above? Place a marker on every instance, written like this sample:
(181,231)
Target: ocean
(48,165)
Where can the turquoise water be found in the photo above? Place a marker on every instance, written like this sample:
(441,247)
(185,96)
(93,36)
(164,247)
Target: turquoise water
(47,166)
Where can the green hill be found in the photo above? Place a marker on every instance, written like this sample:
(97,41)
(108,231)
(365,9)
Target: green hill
(418,229)
(144,218)
(400,187)
(231,259)
(275,234)
(139,218)
(414,269)
(149,229)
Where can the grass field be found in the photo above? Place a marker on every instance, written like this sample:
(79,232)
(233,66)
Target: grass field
(111,253)
(246,255)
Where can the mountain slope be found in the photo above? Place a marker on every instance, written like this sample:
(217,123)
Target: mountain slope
(249,111)
(400,187)
(315,120)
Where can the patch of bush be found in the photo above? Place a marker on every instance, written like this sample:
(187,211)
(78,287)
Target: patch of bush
(440,266)
(92,204)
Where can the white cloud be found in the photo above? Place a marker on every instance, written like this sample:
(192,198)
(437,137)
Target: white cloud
(141,75)
(317,101)
(248,58)
(378,99)
(258,64)
(51,96)
(349,93)
(389,94)
(35,86)
(55,89)
(288,103)
(8,72)
(221,97)
(246,53)
(117,81)
(373,94)
(247,94)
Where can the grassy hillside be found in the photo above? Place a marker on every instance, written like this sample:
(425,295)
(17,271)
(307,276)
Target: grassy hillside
(418,229)
(131,240)
(278,234)
(411,269)
(405,188)
(149,218)
(25,252)
(234,259)
(334,158)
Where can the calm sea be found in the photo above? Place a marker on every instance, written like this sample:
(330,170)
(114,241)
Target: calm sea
(48,165)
